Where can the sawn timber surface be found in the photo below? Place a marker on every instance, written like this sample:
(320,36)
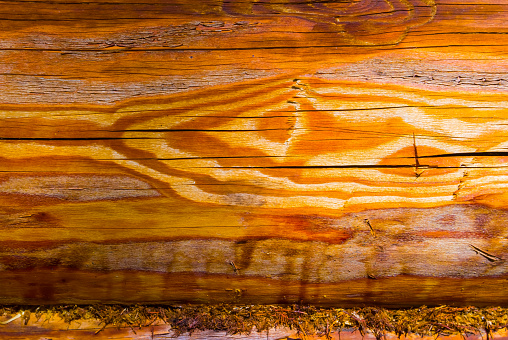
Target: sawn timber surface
(346,152)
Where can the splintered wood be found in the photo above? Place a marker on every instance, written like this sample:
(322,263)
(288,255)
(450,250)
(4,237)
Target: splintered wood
(344,152)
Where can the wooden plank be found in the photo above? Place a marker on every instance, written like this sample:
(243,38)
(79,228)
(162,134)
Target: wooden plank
(273,152)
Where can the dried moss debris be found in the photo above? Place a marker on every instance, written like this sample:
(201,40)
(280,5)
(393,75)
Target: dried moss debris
(443,320)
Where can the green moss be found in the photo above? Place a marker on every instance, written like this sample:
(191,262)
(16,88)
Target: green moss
(234,319)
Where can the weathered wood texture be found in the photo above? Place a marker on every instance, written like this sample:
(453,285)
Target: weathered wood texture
(343,152)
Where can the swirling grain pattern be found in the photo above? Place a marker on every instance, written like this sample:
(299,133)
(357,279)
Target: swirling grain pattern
(285,144)
(367,22)
(77,52)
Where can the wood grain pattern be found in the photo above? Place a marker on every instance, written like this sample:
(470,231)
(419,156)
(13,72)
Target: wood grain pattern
(342,152)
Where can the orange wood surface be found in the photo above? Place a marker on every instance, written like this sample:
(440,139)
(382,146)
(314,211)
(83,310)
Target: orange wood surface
(334,153)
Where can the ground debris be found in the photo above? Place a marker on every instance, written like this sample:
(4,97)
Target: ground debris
(307,320)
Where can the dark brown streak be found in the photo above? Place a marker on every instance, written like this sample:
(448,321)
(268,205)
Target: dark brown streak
(198,130)
(18,226)
(359,166)
(375,108)
(469,154)
(370,227)
(191,158)
(235,269)
(488,256)
(417,163)
(198,49)
(455,32)
(70,139)
(439,46)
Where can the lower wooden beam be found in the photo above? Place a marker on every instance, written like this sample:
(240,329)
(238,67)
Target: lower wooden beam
(76,287)
(395,258)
